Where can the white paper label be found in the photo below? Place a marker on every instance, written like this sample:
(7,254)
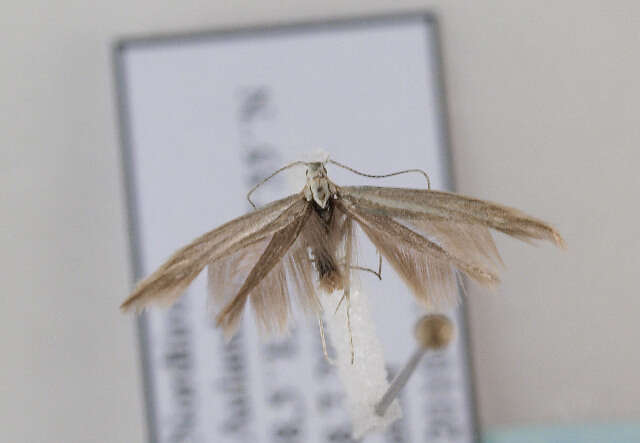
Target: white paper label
(209,116)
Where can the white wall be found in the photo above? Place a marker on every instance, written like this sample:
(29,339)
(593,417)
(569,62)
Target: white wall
(544,102)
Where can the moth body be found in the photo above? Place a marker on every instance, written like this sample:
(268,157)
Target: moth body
(318,187)
(309,237)
(324,255)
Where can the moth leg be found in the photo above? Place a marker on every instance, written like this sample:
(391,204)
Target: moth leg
(324,343)
(346,296)
(377,274)
(340,303)
(353,352)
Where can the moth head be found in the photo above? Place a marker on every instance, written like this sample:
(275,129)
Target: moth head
(318,183)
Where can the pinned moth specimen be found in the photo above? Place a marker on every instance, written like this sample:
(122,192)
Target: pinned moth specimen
(303,247)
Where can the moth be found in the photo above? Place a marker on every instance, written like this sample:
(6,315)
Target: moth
(303,247)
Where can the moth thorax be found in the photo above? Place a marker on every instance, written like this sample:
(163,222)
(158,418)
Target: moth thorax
(318,183)
(320,192)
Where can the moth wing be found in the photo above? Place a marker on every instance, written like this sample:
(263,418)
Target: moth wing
(296,275)
(172,278)
(428,269)
(262,272)
(334,249)
(450,209)
(452,234)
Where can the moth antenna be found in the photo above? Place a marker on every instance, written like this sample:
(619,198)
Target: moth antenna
(252,190)
(426,176)
(324,344)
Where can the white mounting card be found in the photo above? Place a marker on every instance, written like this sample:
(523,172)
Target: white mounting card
(204,117)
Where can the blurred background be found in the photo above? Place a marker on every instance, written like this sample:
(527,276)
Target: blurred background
(543,103)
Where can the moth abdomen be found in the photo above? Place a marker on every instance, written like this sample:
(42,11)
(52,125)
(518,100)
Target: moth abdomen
(329,275)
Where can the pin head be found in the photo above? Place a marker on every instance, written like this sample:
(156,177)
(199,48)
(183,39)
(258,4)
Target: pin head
(434,331)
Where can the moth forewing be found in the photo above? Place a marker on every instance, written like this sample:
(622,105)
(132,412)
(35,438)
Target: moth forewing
(427,235)
(426,268)
(411,204)
(473,243)
(266,282)
(168,283)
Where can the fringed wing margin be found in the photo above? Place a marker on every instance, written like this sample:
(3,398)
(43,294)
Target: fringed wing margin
(266,272)
(427,236)
(283,271)
(167,283)
(436,206)
(428,269)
